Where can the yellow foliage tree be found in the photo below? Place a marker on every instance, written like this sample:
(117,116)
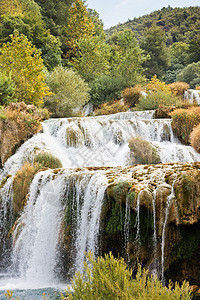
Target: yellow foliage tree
(23,60)
(10,7)
(79,25)
(156,85)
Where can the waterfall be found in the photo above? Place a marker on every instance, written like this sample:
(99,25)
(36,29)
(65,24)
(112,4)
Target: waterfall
(73,196)
(193,96)
(167,208)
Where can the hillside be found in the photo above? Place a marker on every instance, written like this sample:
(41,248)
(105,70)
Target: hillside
(180,24)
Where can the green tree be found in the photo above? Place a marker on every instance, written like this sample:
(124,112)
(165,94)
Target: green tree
(70,91)
(92,59)
(194,50)
(23,61)
(154,44)
(55,14)
(79,25)
(179,58)
(190,74)
(126,57)
(7,89)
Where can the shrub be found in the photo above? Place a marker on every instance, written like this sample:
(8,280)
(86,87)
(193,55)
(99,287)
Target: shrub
(143,152)
(156,85)
(183,122)
(131,95)
(47,160)
(106,89)
(7,89)
(108,278)
(111,108)
(197,87)
(69,90)
(21,185)
(156,98)
(178,88)
(195,138)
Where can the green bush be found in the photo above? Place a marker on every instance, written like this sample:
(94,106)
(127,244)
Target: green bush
(47,160)
(69,90)
(105,89)
(7,89)
(108,278)
(156,98)
(142,152)
(183,122)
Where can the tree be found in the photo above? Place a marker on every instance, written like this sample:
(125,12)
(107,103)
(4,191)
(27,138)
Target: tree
(79,25)
(154,44)
(126,57)
(92,59)
(10,7)
(70,91)
(179,57)
(22,59)
(190,74)
(194,50)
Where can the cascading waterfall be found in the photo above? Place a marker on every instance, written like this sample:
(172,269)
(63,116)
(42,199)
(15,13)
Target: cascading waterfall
(78,143)
(167,207)
(127,228)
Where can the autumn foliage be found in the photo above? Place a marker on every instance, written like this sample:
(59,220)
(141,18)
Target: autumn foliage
(23,61)
(131,95)
(183,122)
(111,108)
(195,138)
(178,88)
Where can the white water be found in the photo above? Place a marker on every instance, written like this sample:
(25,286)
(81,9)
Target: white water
(193,96)
(77,142)
(167,208)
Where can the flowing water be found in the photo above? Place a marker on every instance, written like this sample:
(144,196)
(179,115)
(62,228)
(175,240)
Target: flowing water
(78,143)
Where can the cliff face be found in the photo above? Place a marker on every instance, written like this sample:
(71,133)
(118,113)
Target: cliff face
(18,122)
(151,215)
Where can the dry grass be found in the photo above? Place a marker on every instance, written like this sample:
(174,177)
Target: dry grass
(21,185)
(131,95)
(111,108)
(195,138)
(178,88)
(142,152)
(183,122)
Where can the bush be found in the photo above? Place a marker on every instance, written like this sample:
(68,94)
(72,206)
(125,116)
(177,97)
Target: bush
(178,88)
(195,138)
(156,98)
(155,85)
(108,278)
(183,122)
(47,160)
(106,89)
(142,152)
(197,87)
(69,90)
(111,108)
(131,95)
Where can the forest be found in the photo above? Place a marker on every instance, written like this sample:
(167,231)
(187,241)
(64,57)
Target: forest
(64,41)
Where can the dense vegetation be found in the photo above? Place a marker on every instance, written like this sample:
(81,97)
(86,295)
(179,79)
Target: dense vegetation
(67,38)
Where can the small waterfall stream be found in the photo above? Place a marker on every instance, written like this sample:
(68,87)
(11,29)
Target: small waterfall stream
(78,143)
